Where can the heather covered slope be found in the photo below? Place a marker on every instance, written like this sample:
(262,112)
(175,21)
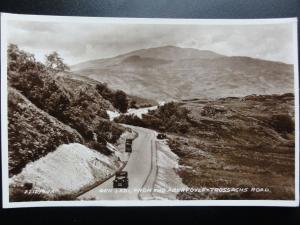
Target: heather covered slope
(248,142)
(47,108)
(32,132)
(173,73)
(231,142)
(79,106)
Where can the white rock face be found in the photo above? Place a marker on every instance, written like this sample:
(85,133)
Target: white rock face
(167,178)
(112,114)
(67,169)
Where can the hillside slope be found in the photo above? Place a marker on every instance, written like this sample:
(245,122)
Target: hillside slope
(173,73)
(47,108)
(244,142)
(32,133)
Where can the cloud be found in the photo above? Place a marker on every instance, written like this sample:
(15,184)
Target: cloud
(78,42)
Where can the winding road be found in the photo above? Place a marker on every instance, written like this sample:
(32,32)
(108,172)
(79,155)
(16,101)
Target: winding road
(141,168)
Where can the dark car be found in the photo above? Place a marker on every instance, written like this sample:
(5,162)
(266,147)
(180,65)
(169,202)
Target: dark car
(128,145)
(121,180)
(161,136)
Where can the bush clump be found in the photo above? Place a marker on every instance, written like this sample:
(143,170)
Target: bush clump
(282,123)
(167,118)
(118,98)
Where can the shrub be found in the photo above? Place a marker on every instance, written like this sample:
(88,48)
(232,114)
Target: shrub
(118,98)
(152,121)
(121,101)
(282,123)
(21,61)
(55,63)
(100,147)
(104,91)
(130,119)
(169,117)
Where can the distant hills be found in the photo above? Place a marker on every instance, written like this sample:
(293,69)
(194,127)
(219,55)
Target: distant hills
(173,73)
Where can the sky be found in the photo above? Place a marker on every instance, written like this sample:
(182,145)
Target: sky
(79,42)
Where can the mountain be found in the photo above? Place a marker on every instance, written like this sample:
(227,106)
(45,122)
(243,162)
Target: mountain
(173,73)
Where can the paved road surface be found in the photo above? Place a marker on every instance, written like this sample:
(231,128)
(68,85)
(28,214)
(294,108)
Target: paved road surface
(141,168)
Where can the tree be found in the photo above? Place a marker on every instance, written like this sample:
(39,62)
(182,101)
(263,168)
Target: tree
(55,63)
(105,92)
(133,104)
(21,61)
(121,101)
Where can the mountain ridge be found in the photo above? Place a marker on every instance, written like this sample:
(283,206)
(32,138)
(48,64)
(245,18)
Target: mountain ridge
(171,46)
(174,73)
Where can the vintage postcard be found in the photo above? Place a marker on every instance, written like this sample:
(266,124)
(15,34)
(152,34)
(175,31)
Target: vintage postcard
(149,112)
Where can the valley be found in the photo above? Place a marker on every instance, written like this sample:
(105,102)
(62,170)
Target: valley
(229,122)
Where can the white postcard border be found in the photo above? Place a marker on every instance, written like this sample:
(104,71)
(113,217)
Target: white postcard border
(4,119)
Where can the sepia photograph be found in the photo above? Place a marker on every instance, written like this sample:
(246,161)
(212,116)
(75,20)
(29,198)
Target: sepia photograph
(141,112)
